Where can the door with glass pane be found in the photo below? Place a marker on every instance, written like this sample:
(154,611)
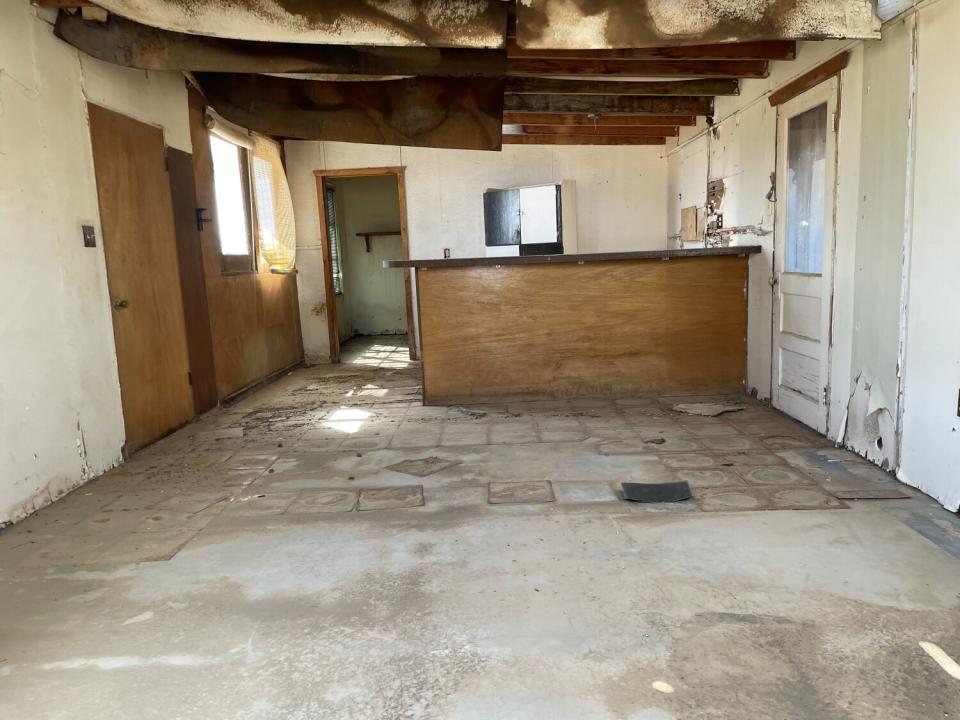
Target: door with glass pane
(803,266)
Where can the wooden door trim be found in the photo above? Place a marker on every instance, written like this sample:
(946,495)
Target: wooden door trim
(333,332)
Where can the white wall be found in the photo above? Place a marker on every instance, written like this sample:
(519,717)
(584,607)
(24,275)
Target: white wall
(894,220)
(60,416)
(741,150)
(620,202)
(930,455)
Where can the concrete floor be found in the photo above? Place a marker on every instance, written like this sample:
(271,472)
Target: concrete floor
(235,570)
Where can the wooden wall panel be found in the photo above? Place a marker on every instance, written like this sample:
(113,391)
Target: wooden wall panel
(254,317)
(192,281)
(600,328)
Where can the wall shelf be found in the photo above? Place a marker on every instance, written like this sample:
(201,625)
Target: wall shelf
(378,233)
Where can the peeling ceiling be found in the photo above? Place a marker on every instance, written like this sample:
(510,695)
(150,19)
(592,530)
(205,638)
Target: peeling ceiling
(436,23)
(609,24)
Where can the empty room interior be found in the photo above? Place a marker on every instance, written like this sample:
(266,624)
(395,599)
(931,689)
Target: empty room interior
(488,360)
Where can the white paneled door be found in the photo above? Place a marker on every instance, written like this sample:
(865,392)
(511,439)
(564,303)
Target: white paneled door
(803,265)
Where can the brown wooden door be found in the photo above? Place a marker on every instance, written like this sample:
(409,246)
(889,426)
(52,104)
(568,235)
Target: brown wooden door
(136,215)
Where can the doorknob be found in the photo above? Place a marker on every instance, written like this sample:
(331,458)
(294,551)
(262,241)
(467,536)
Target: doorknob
(120,304)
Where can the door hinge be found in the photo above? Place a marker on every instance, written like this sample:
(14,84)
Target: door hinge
(826,396)
(189,378)
(836,122)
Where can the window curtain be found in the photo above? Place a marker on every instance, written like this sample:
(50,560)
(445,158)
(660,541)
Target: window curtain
(273,207)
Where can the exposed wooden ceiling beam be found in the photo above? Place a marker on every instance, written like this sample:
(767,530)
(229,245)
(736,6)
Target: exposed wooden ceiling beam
(771,50)
(131,44)
(609,104)
(425,112)
(611,24)
(603,131)
(556,86)
(585,120)
(642,68)
(580,140)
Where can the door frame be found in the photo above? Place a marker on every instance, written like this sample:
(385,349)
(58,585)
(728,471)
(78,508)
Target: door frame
(322,176)
(829,91)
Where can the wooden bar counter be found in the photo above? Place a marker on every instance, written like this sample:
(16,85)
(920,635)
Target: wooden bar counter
(561,326)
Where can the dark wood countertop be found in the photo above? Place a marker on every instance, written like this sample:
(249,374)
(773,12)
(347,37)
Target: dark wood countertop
(737,250)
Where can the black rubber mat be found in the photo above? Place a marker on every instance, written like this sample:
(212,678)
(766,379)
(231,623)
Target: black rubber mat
(661,493)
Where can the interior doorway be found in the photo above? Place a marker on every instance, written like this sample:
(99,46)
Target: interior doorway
(804,253)
(363,222)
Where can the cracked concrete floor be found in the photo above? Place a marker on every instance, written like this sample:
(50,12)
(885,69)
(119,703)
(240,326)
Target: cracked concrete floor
(229,571)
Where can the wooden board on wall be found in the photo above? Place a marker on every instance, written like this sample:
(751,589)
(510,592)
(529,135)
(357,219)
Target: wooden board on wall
(600,328)
(193,285)
(139,242)
(254,316)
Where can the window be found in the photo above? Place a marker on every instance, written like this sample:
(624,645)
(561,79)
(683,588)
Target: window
(806,191)
(276,236)
(333,237)
(232,191)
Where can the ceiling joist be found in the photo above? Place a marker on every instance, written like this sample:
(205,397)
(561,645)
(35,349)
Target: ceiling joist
(594,120)
(557,86)
(642,68)
(580,140)
(609,104)
(640,131)
(772,50)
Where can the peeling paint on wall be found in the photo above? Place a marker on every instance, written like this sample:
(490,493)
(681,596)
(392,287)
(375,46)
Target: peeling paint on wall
(871,429)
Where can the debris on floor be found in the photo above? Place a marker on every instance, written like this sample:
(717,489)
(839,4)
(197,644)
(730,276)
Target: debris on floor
(707,409)
(656,493)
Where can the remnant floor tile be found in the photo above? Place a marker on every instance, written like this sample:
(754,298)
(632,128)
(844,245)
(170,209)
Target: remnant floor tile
(325,501)
(775,476)
(711,478)
(804,498)
(513,493)
(423,467)
(732,499)
(405,496)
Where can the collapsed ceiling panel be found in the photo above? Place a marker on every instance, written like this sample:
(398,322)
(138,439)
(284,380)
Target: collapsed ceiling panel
(131,44)
(424,111)
(435,23)
(610,24)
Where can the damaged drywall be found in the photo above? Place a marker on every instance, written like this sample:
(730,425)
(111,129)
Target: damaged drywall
(453,23)
(870,428)
(603,24)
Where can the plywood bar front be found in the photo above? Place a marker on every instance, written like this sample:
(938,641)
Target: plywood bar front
(671,322)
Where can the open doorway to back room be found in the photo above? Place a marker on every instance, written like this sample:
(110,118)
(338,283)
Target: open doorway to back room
(364,224)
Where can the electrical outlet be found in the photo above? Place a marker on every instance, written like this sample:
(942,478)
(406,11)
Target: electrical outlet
(446,253)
